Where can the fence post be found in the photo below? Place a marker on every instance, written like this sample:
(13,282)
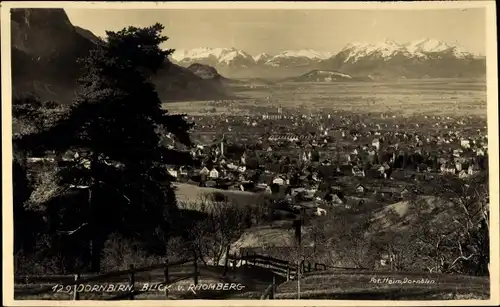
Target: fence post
(165,273)
(76,295)
(246,259)
(254,259)
(195,265)
(288,271)
(273,288)
(131,281)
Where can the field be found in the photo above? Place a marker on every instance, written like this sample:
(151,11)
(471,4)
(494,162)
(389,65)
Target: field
(187,195)
(406,97)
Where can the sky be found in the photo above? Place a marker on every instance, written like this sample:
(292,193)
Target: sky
(272,31)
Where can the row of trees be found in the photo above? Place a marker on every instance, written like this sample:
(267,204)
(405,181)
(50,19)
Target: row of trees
(117,182)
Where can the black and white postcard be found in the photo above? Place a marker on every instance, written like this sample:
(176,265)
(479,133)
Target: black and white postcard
(250,153)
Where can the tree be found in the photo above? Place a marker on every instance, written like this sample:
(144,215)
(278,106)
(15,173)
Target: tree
(469,235)
(114,128)
(447,233)
(210,238)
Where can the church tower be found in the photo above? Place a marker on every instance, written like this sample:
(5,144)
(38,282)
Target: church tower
(222,145)
(243,159)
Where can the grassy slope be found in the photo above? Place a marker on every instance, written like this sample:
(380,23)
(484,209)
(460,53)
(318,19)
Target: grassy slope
(187,193)
(255,281)
(314,285)
(358,286)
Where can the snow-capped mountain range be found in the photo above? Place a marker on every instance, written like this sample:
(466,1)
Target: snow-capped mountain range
(421,49)
(356,55)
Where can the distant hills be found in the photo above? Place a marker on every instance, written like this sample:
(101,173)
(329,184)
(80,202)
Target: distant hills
(45,49)
(425,58)
(324,76)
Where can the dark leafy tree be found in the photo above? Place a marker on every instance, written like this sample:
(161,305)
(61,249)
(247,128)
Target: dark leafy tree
(114,128)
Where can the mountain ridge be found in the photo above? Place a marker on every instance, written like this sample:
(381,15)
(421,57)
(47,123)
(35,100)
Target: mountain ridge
(388,58)
(45,48)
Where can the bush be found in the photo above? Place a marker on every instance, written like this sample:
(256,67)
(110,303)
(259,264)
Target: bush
(48,259)
(119,253)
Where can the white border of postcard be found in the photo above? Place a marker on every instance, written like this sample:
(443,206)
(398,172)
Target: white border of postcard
(492,109)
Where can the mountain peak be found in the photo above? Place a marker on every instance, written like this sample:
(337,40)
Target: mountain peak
(427,45)
(212,56)
(262,57)
(307,53)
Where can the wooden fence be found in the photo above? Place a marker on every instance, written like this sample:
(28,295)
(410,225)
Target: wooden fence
(280,267)
(130,276)
(284,268)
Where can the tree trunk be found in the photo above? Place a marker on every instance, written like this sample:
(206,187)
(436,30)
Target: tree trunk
(96,243)
(226,262)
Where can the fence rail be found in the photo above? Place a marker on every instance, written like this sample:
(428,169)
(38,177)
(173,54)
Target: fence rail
(281,267)
(130,274)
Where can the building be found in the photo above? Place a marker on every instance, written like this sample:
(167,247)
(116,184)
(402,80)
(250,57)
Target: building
(204,171)
(214,174)
(360,189)
(376,143)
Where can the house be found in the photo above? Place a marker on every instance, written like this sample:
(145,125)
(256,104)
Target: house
(214,174)
(447,168)
(314,176)
(336,199)
(348,157)
(457,152)
(205,171)
(360,188)
(261,186)
(320,211)
(231,166)
(172,172)
(387,192)
(358,172)
(473,169)
(404,192)
(183,171)
(322,195)
(279,180)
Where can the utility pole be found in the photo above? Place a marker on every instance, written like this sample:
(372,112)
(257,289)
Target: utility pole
(298,236)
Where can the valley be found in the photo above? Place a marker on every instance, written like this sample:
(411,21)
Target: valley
(404,97)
